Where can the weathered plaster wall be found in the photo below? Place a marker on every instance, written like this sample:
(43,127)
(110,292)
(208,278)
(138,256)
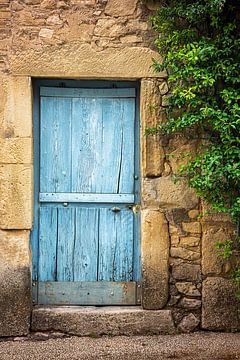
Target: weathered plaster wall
(104,39)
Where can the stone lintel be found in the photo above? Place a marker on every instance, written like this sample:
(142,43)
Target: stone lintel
(78,60)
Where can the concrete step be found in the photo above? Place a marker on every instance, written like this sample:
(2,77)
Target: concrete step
(97,321)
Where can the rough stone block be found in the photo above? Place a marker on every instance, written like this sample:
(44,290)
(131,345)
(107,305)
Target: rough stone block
(155,253)
(128,39)
(15,283)
(16,151)
(220,309)
(180,155)
(188,323)
(109,27)
(189,241)
(189,272)
(83,321)
(212,262)
(18,109)
(193,214)
(175,240)
(187,288)
(211,216)
(185,254)
(120,8)
(163,88)
(192,227)
(152,153)
(16,196)
(164,193)
(190,304)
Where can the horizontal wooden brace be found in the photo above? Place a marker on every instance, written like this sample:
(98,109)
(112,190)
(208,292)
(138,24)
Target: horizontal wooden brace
(86,293)
(87,198)
(88,93)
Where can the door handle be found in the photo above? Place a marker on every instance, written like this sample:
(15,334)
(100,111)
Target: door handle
(115,209)
(65,204)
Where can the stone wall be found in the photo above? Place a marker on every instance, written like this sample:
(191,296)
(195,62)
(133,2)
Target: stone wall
(105,39)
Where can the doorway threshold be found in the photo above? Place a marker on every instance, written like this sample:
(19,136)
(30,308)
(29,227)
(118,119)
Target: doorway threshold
(105,320)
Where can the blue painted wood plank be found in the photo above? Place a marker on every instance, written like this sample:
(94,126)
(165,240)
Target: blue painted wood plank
(87,198)
(115,245)
(66,244)
(125,239)
(87,93)
(126,169)
(86,130)
(47,244)
(86,245)
(55,145)
(87,293)
(110,147)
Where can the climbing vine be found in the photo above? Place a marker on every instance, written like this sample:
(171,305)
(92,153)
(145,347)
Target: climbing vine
(200,46)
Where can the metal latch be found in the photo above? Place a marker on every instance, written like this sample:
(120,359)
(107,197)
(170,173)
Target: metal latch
(115,209)
(135,208)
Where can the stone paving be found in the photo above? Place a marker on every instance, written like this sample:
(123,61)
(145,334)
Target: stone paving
(202,345)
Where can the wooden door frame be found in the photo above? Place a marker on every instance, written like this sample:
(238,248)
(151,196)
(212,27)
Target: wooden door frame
(37,83)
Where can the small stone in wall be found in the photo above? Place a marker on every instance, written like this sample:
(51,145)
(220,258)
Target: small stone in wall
(48,4)
(97,12)
(167,169)
(46,33)
(165,100)
(188,288)
(189,241)
(32,2)
(185,254)
(188,323)
(193,214)
(62,5)
(163,88)
(15,6)
(131,39)
(190,303)
(174,240)
(120,8)
(174,300)
(192,227)
(135,25)
(189,272)
(54,20)
(109,28)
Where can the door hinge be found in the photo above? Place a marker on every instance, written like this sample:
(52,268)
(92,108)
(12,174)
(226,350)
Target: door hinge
(34,292)
(139,293)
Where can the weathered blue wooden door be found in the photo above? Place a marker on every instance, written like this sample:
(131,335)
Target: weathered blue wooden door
(85,247)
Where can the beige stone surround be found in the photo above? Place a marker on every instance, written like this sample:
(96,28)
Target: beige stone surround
(105,40)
